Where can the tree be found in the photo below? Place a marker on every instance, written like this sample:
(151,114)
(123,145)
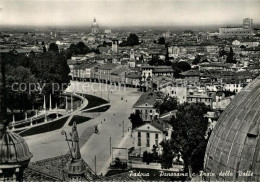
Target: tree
(53,48)
(161,40)
(147,157)
(131,40)
(21,92)
(136,119)
(230,57)
(188,135)
(222,52)
(168,104)
(155,61)
(180,67)
(197,59)
(79,48)
(44,49)
(167,154)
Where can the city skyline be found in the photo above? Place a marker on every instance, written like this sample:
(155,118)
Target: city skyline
(128,13)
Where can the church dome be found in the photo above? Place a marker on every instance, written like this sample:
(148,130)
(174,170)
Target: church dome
(13,148)
(95,24)
(233,150)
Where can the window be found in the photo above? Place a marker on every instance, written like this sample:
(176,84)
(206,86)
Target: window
(139,139)
(156,139)
(147,139)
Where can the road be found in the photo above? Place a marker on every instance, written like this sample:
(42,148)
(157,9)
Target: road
(52,144)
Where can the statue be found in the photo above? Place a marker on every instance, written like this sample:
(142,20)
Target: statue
(74,147)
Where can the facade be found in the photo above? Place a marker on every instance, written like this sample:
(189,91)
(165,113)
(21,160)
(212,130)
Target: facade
(235,31)
(191,76)
(200,98)
(133,79)
(115,45)
(145,105)
(151,134)
(247,23)
(104,71)
(175,90)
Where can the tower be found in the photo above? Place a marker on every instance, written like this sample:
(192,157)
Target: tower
(115,45)
(132,54)
(95,27)
(247,23)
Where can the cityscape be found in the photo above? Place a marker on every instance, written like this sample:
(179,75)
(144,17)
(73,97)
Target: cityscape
(114,90)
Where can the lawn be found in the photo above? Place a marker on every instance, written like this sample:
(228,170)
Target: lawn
(55,125)
(94,101)
(101,109)
(78,119)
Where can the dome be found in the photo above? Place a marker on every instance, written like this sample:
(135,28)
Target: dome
(95,24)
(13,148)
(233,150)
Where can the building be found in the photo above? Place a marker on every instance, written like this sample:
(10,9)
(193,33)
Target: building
(234,142)
(233,85)
(151,134)
(105,70)
(145,105)
(115,45)
(191,76)
(132,54)
(133,79)
(118,76)
(207,100)
(178,90)
(247,23)
(94,27)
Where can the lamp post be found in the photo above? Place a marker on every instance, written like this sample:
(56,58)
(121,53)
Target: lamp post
(123,127)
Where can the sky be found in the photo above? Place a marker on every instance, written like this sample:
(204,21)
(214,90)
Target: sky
(128,12)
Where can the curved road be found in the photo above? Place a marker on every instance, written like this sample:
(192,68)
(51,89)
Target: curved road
(53,144)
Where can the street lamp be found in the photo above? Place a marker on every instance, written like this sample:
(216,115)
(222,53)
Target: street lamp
(123,128)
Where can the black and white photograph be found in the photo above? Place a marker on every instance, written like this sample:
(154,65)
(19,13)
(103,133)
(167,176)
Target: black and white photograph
(129,90)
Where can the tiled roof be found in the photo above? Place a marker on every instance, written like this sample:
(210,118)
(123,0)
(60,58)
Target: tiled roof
(108,66)
(118,71)
(148,97)
(191,73)
(234,142)
(133,75)
(53,169)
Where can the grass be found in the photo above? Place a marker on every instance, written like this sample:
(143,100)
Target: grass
(78,119)
(101,109)
(94,101)
(55,125)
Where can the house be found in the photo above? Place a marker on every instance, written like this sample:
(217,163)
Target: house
(192,76)
(151,134)
(105,70)
(118,76)
(133,79)
(145,105)
(195,98)
(175,89)
(233,85)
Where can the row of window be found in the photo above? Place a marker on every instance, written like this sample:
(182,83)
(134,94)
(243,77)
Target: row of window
(147,139)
